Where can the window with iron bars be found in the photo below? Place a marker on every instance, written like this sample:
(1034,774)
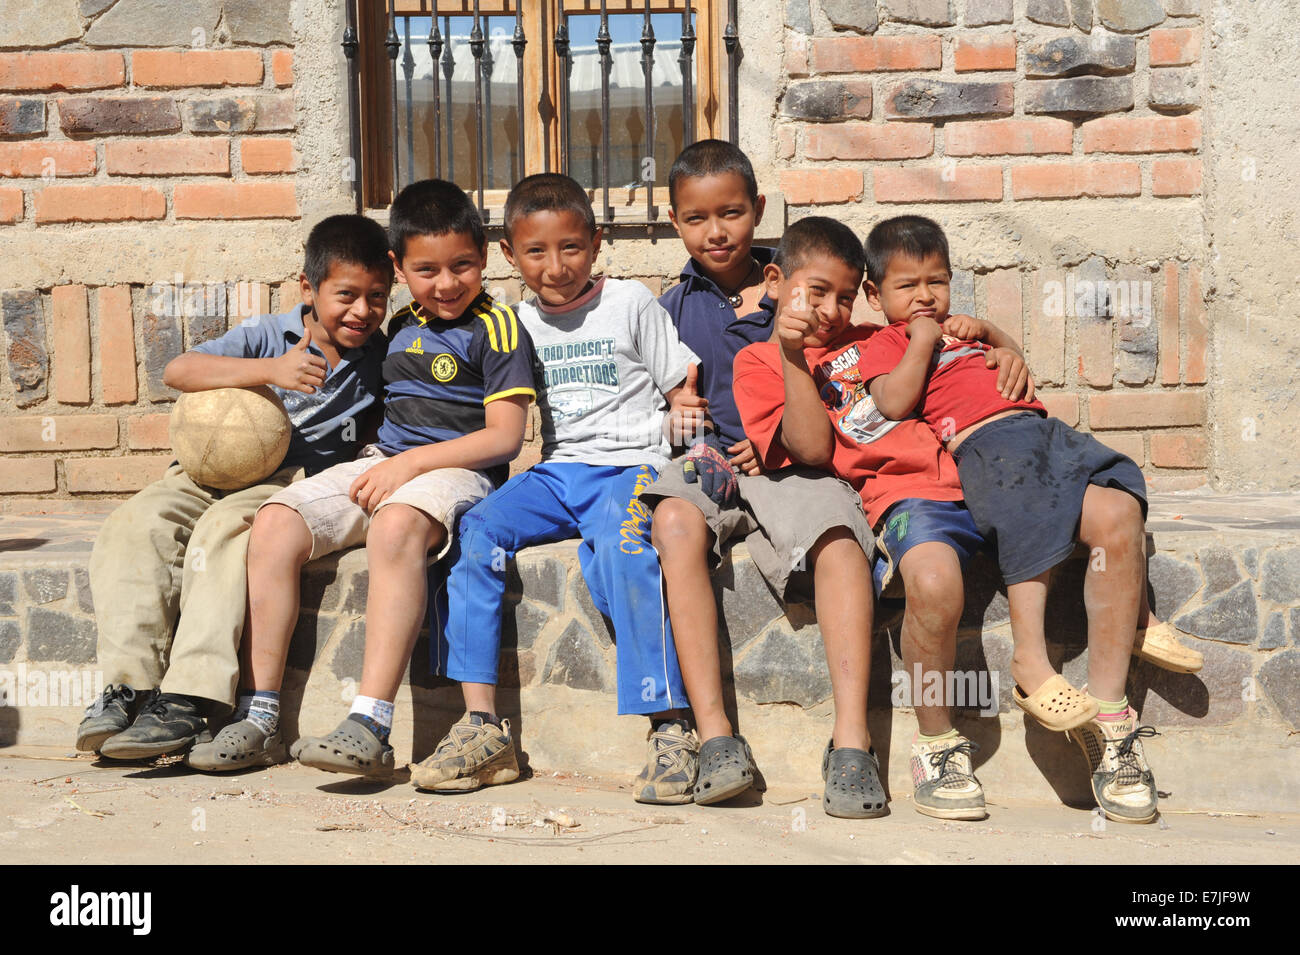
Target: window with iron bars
(611,90)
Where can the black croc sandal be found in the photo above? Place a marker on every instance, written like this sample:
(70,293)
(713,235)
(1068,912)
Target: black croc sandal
(726,769)
(853,789)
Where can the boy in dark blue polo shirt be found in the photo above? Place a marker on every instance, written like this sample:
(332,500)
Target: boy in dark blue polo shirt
(700,503)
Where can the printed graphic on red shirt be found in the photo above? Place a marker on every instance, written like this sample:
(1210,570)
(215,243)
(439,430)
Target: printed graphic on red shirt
(848,400)
(954,348)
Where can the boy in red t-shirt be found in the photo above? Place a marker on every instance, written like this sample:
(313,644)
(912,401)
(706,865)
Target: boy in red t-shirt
(802,400)
(1034,487)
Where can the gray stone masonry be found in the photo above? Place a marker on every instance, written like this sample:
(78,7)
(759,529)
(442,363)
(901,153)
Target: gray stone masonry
(1223,569)
(930,13)
(1079,96)
(22,117)
(980,13)
(1070,55)
(860,16)
(28,362)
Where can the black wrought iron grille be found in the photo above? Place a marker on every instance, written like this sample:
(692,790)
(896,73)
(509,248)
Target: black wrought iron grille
(435,131)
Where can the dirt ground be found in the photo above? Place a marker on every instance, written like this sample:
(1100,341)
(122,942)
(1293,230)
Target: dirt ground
(61,808)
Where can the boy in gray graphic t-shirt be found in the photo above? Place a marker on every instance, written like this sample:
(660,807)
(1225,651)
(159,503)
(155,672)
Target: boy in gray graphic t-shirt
(610,367)
(607,360)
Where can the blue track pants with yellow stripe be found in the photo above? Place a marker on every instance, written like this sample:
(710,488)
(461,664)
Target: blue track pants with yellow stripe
(553,502)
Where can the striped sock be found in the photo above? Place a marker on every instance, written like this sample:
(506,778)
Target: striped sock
(1113,711)
(264,711)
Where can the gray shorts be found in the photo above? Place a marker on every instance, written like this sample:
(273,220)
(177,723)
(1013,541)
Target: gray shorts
(337,523)
(781,516)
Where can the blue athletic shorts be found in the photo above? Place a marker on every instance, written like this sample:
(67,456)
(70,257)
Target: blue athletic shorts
(913,521)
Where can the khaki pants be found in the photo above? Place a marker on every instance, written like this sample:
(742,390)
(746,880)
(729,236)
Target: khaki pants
(172,559)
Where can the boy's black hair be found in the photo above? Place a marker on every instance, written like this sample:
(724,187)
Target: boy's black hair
(818,235)
(914,236)
(547,192)
(432,207)
(351,239)
(711,157)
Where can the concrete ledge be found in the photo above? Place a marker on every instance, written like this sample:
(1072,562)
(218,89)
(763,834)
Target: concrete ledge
(1223,568)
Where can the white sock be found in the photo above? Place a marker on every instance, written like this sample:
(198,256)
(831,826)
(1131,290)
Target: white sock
(381,711)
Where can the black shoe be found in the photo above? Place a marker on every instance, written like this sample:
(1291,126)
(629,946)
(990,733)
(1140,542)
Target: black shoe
(113,712)
(166,723)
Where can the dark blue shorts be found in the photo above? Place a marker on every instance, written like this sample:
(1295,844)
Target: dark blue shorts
(913,521)
(1024,478)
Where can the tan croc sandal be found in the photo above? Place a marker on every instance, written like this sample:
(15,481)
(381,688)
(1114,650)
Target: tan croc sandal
(1057,705)
(1160,645)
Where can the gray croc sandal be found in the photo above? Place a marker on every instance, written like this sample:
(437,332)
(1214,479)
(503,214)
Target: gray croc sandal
(726,769)
(351,748)
(237,746)
(853,789)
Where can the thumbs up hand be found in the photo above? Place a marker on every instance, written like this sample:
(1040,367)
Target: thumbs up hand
(796,323)
(298,369)
(688,410)
(691,386)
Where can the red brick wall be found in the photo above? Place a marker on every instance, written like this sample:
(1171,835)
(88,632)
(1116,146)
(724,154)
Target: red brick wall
(988,110)
(161,137)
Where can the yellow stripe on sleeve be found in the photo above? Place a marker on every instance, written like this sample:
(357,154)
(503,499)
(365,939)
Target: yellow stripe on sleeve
(514,326)
(491,330)
(501,324)
(509,392)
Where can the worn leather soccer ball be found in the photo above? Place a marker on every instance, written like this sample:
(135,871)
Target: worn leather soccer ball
(230,438)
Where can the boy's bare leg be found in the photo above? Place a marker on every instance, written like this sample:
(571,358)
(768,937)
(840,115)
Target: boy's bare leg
(1114,587)
(1027,601)
(397,547)
(932,578)
(479,697)
(843,598)
(682,537)
(278,547)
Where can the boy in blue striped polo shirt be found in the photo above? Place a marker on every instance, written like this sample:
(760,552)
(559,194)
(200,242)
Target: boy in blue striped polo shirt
(166,562)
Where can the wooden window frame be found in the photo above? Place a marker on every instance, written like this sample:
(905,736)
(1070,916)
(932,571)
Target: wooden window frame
(542,147)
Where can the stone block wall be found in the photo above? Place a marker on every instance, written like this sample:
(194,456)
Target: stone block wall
(1230,580)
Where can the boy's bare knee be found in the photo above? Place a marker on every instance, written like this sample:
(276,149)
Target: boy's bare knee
(279,533)
(1111,518)
(932,580)
(401,532)
(678,526)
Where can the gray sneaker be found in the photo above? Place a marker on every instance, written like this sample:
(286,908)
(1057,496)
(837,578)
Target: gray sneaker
(945,785)
(109,715)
